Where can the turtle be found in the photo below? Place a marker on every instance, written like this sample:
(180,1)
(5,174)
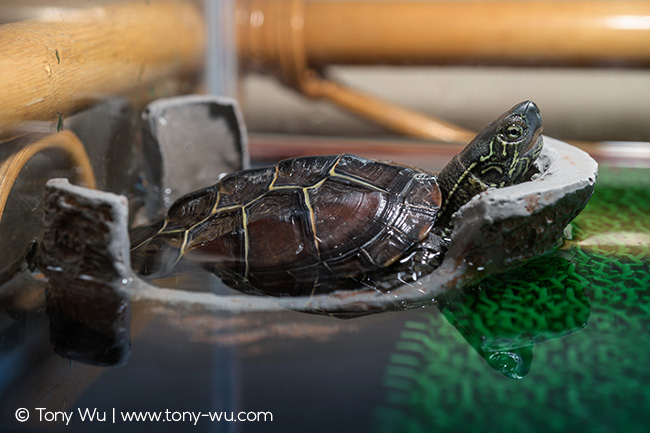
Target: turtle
(317,224)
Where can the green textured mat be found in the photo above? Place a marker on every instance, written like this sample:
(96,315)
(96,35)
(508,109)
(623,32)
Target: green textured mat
(573,326)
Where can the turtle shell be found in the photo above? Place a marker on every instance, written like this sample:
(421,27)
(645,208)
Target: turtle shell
(301,226)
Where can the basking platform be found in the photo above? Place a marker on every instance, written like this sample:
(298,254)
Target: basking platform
(497,230)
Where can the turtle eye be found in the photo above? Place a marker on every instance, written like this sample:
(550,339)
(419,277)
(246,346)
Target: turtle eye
(514,131)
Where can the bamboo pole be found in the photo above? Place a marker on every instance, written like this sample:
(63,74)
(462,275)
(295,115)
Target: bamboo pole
(568,32)
(57,64)
(296,38)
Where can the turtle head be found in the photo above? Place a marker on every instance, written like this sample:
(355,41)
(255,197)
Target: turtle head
(500,155)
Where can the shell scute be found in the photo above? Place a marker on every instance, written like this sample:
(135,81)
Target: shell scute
(306,221)
(242,188)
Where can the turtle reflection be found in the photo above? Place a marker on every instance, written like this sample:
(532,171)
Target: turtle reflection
(503,317)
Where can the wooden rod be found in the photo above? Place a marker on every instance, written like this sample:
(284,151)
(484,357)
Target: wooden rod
(392,116)
(65,141)
(295,38)
(567,32)
(57,64)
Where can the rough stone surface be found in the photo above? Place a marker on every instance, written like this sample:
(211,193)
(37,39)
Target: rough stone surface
(496,230)
(501,228)
(189,143)
(85,256)
(85,233)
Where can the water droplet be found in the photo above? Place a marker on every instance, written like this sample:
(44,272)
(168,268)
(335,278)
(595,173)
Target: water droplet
(162,121)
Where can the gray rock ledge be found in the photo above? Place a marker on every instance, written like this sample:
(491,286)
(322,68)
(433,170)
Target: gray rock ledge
(497,230)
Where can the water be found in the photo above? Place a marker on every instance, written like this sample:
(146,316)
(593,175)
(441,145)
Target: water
(555,346)
(582,316)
